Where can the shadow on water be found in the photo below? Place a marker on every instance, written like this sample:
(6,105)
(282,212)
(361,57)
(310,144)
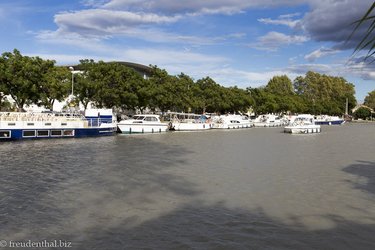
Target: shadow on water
(197,226)
(365,170)
(92,200)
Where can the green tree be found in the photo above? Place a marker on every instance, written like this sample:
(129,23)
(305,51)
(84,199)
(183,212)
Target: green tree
(280,85)
(325,94)
(22,77)
(362,113)
(370,100)
(55,87)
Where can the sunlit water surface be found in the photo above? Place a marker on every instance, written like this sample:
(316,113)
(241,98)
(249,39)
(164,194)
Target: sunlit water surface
(240,189)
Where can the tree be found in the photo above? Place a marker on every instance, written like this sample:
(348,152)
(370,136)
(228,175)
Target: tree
(325,94)
(362,113)
(370,100)
(55,86)
(281,85)
(22,77)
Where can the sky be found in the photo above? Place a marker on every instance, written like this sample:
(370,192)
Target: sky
(235,42)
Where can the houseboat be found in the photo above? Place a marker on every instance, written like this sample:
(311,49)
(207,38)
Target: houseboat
(29,125)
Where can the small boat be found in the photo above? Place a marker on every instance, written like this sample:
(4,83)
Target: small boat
(302,124)
(232,122)
(29,125)
(189,122)
(268,120)
(142,124)
(329,120)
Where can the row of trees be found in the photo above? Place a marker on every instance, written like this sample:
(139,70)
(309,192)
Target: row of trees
(32,80)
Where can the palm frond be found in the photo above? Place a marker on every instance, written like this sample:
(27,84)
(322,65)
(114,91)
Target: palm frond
(368,41)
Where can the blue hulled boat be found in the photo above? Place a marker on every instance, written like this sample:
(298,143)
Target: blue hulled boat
(329,120)
(28,125)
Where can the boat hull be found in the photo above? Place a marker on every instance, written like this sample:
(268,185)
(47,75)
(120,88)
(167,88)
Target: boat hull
(142,128)
(232,125)
(267,124)
(335,122)
(191,126)
(302,129)
(54,133)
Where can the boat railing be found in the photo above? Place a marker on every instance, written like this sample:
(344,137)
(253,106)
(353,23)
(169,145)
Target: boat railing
(52,117)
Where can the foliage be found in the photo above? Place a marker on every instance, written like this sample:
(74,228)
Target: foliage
(370,100)
(55,87)
(114,85)
(325,94)
(22,77)
(362,113)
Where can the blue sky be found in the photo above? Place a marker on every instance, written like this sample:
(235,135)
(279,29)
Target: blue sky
(235,42)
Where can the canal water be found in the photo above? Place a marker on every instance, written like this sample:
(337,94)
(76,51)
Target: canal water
(240,189)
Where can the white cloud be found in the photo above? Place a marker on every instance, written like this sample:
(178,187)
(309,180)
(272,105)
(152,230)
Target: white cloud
(320,53)
(288,22)
(96,22)
(282,20)
(274,40)
(196,6)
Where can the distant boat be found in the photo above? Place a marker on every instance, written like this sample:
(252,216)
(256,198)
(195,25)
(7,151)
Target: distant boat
(302,124)
(142,124)
(231,122)
(329,120)
(189,122)
(45,125)
(268,120)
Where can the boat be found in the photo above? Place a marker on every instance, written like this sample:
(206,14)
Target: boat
(329,120)
(268,120)
(142,124)
(189,122)
(231,122)
(302,124)
(30,125)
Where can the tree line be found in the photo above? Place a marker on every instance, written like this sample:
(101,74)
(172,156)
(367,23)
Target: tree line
(32,80)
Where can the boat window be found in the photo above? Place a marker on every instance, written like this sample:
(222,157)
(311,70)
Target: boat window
(47,124)
(151,119)
(56,132)
(43,133)
(30,124)
(140,118)
(64,124)
(69,132)
(4,134)
(28,133)
(11,124)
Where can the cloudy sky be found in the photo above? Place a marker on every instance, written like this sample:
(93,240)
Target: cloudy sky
(235,42)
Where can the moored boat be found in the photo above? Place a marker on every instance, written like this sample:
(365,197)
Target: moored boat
(268,120)
(142,124)
(28,125)
(329,120)
(189,122)
(302,124)
(231,122)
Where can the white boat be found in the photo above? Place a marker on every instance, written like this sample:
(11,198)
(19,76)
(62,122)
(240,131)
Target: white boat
(189,122)
(142,124)
(268,120)
(302,124)
(231,122)
(329,120)
(47,125)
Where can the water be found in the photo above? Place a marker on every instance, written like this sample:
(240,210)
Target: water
(240,189)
